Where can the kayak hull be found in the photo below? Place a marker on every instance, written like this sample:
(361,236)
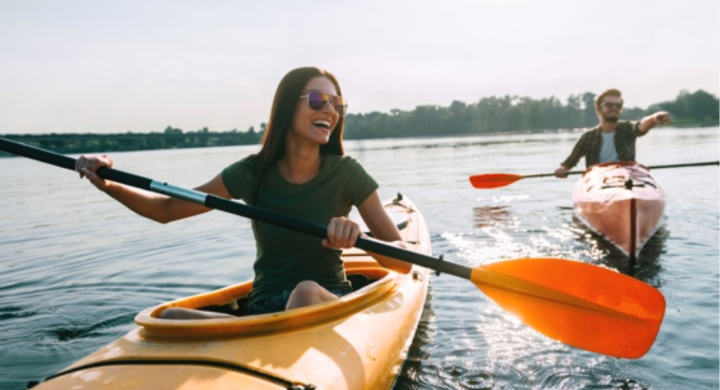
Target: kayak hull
(621,202)
(359,341)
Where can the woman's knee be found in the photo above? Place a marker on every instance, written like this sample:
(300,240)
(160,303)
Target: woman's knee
(307,287)
(173,313)
(178,313)
(308,293)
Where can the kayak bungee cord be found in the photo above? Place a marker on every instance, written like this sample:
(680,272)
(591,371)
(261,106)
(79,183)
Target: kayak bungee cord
(270,377)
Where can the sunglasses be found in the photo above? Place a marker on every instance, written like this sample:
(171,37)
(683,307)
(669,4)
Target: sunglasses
(317,100)
(612,105)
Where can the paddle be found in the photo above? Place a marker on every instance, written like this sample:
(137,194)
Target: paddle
(496,180)
(582,305)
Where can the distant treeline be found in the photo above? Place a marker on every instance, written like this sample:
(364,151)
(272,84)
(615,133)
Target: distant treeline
(698,107)
(171,138)
(488,115)
(514,113)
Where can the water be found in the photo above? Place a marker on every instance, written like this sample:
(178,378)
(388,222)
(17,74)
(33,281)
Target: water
(76,267)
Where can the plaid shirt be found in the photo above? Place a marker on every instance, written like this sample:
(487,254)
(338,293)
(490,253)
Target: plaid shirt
(590,144)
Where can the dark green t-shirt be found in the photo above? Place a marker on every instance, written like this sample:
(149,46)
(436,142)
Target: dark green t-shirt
(284,257)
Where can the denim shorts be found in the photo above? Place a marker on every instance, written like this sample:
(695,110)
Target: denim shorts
(278,301)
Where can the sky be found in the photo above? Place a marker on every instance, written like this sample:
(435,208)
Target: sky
(111,67)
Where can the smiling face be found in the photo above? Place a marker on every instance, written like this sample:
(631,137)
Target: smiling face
(310,125)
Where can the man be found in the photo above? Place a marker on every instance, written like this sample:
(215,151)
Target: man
(612,140)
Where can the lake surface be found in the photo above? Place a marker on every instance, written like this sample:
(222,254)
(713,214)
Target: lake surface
(76,267)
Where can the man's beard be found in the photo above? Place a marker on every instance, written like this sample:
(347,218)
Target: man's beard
(611,119)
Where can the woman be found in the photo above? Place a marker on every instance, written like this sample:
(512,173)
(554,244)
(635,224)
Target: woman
(301,171)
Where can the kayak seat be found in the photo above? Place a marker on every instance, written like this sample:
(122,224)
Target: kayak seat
(358,281)
(236,308)
(239,308)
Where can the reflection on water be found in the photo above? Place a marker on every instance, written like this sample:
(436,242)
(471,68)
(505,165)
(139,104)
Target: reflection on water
(76,267)
(488,216)
(407,145)
(420,350)
(646,267)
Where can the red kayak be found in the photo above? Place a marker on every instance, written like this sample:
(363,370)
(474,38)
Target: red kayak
(622,202)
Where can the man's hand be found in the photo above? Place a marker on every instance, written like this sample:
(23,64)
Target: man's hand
(650,121)
(661,118)
(561,172)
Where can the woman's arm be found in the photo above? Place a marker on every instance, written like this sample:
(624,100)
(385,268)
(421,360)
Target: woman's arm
(383,228)
(342,232)
(159,208)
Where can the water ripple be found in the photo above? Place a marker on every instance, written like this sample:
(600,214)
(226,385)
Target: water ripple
(76,270)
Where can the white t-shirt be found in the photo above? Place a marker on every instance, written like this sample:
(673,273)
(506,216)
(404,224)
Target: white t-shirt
(608,153)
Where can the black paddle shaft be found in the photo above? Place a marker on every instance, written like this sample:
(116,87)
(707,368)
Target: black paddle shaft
(698,164)
(237,208)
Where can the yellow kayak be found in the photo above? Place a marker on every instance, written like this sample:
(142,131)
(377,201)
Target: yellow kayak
(359,341)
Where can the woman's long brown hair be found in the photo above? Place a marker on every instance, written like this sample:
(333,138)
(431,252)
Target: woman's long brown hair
(281,116)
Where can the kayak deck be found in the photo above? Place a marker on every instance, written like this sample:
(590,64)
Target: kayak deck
(358,341)
(622,202)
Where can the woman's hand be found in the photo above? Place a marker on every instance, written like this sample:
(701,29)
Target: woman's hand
(341,233)
(87,165)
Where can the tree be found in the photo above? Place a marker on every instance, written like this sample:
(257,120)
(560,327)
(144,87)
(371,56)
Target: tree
(590,118)
(701,106)
(514,119)
(171,130)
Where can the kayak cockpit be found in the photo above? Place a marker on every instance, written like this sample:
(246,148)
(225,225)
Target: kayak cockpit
(378,284)
(372,283)
(238,308)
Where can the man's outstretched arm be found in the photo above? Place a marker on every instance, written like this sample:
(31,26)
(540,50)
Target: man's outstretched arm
(650,121)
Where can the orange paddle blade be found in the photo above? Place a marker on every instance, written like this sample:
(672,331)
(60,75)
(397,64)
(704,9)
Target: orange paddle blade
(493,180)
(579,304)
